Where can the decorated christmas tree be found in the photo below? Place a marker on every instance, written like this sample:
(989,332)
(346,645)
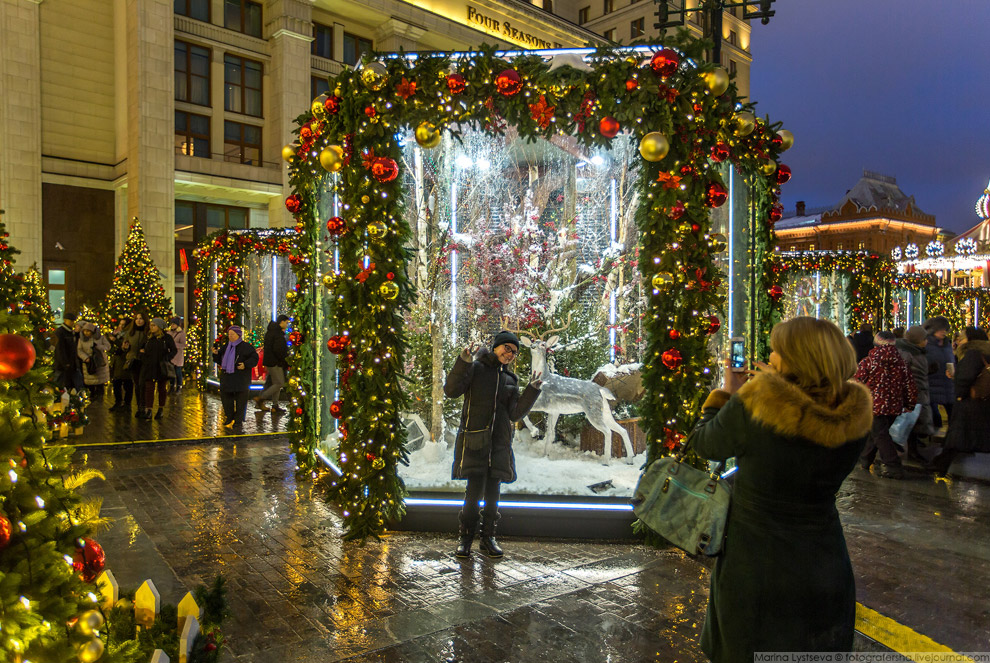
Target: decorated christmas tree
(136,283)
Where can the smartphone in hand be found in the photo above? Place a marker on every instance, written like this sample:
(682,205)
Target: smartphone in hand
(737,354)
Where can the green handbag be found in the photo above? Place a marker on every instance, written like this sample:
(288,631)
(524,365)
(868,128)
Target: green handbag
(683,504)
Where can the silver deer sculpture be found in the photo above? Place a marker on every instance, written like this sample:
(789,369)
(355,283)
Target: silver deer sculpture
(563,395)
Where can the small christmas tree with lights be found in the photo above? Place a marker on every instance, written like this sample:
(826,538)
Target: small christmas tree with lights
(137,283)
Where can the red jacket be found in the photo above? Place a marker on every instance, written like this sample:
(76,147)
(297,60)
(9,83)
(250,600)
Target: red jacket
(883,370)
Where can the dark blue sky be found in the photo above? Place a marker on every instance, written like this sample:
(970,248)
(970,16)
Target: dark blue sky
(901,87)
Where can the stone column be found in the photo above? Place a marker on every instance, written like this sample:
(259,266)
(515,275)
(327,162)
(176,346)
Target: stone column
(394,34)
(289,29)
(20,126)
(150,94)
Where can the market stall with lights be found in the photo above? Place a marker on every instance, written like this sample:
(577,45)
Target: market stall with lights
(357,167)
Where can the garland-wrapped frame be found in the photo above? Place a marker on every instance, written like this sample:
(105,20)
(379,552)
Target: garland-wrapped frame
(687,118)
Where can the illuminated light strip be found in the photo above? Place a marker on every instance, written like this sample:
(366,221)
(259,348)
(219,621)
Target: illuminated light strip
(900,638)
(253,387)
(274,286)
(178,439)
(544,52)
(732,262)
(612,233)
(453,260)
(329,463)
(571,506)
(818,294)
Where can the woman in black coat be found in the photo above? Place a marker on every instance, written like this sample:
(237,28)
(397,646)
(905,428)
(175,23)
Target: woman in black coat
(784,581)
(236,359)
(159,348)
(276,361)
(969,426)
(492,403)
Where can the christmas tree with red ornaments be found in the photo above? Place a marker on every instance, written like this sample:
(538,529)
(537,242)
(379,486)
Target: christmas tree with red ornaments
(137,284)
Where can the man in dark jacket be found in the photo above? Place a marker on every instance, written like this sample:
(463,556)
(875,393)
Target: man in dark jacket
(236,358)
(68,372)
(483,450)
(862,341)
(892,386)
(939,352)
(276,352)
(912,349)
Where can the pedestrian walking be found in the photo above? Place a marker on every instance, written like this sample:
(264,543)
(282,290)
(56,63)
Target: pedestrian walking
(969,427)
(120,376)
(884,372)
(178,335)
(93,350)
(67,371)
(940,355)
(275,360)
(784,581)
(912,349)
(236,359)
(156,367)
(134,338)
(862,341)
(483,451)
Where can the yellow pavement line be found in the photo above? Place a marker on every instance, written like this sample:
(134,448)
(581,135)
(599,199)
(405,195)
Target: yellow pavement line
(174,439)
(898,637)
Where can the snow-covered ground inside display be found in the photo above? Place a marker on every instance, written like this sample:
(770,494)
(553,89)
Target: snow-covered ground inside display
(566,471)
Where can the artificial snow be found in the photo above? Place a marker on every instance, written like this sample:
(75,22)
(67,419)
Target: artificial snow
(612,371)
(567,471)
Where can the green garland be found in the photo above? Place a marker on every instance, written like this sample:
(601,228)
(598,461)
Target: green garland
(352,132)
(951,304)
(229,250)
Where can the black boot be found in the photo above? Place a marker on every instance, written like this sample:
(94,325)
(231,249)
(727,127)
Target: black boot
(159,413)
(486,543)
(466,531)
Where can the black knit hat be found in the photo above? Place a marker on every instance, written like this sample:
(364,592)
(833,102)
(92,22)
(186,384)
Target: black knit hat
(504,337)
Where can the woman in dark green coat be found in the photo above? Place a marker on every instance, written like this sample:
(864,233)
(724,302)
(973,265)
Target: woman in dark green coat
(784,581)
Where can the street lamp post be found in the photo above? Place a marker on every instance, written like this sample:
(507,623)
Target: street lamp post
(668,18)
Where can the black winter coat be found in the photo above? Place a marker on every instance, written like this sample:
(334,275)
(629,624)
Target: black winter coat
(276,349)
(240,379)
(784,581)
(939,354)
(917,363)
(65,357)
(862,343)
(491,399)
(969,427)
(156,350)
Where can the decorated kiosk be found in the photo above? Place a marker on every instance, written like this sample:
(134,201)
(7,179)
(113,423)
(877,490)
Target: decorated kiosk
(614,206)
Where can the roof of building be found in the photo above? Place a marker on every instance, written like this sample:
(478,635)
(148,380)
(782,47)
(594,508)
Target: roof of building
(798,221)
(879,194)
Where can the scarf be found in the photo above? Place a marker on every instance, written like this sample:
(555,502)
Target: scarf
(229,363)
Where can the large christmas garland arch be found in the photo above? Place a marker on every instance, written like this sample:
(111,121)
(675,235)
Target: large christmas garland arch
(688,119)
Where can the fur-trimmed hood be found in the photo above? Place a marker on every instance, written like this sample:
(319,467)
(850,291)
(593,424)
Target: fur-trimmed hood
(982,346)
(786,409)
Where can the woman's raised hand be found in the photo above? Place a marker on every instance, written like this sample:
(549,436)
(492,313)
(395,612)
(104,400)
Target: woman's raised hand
(467,354)
(536,380)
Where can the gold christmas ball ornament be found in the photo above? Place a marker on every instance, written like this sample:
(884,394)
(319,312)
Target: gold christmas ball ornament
(291,295)
(428,136)
(366,199)
(786,139)
(289,153)
(90,622)
(377,230)
(332,158)
(318,109)
(91,652)
(374,76)
(662,279)
(654,146)
(338,91)
(388,290)
(717,81)
(330,281)
(378,463)
(745,123)
(769,166)
(719,242)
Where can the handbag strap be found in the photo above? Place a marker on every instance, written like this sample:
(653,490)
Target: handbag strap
(715,472)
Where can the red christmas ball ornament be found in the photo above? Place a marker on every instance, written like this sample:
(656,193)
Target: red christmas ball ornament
(673,334)
(336,226)
(384,169)
(777,142)
(714,324)
(687,170)
(332,345)
(783,174)
(337,409)
(631,84)
(456,83)
(776,212)
(295,338)
(672,359)
(332,105)
(390,276)
(695,227)
(508,83)
(209,647)
(293,203)
(299,411)
(720,152)
(677,211)
(6,531)
(369,457)
(716,195)
(306,134)
(776,292)
(664,63)
(89,559)
(609,127)
(16,356)
(370,111)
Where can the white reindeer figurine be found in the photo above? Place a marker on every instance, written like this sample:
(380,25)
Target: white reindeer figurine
(562,395)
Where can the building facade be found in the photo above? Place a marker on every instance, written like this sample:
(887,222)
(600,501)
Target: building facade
(875,215)
(176,111)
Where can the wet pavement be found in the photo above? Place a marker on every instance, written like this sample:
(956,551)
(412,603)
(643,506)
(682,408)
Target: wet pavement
(299,593)
(188,415)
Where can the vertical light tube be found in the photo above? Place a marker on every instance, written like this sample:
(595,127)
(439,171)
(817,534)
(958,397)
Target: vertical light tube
(921,306)
(732,256)
(274,285)
(453,260)
(818,294)
(613,232)
(908,313)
